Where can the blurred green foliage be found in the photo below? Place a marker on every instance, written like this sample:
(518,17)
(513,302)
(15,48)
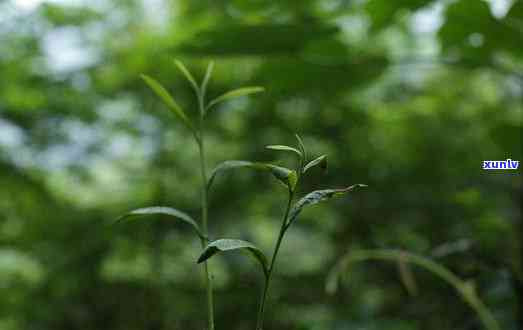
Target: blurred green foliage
(406,96)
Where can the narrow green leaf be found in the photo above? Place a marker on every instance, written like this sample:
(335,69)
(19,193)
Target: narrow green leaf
(285,148)
(234,94)
(232,164)
(187,75)
(284,175)
(163,210)
(207,77)
(301,146)
(223,245)
(161,92)
(321,161)
(316,197)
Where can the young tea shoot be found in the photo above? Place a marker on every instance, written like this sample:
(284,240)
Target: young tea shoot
(197,129)
(290,178)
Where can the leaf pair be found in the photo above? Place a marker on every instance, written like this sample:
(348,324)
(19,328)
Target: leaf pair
(200,91)
(302,154)
(221,245)
(224,245)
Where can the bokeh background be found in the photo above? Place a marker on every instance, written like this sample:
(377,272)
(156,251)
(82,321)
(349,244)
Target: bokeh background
(406,96)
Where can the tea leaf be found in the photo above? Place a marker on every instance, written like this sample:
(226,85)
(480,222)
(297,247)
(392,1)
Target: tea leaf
(161,92)
(187,75)
(301,146)
(232,164)
(234,94)
(207,77)
(285,148)
(316,197)
(284,175)
(223,245)
(321,161)
(163,210)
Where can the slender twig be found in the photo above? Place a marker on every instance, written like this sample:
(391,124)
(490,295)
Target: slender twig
(465,289)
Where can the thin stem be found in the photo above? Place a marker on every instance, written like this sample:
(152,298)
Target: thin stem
(204,197)
(467,293)
(283,229)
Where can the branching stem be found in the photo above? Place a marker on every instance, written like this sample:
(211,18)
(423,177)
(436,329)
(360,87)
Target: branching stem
(465,290)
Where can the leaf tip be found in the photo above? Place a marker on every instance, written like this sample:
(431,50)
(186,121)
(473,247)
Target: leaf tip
(201,259)
(356,186)
(121,219)
(116,221)
(178,63)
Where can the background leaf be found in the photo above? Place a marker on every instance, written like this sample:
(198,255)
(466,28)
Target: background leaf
(407,276)
(464,288)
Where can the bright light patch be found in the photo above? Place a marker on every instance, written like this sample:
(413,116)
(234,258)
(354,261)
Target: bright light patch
(500,8)
(428,20)
(27,4)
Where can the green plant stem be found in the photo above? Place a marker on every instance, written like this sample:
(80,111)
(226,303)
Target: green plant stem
(283,229)
(205,240)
